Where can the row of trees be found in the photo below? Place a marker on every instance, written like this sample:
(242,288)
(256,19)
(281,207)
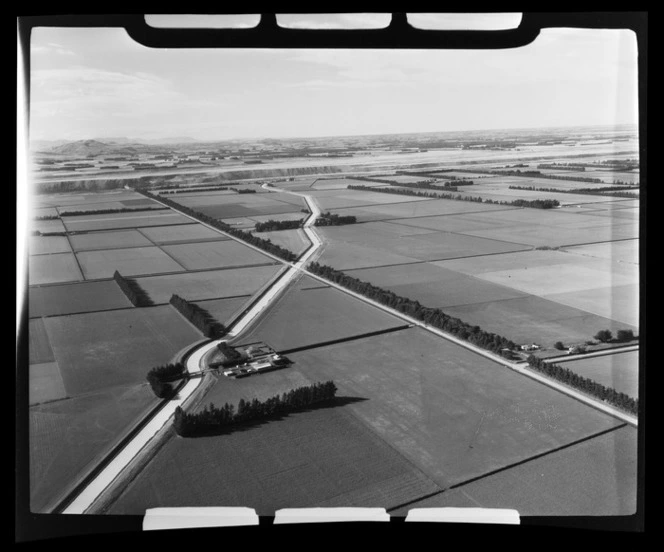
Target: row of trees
(535,204)
(244,190)
(562,166)
(265,245)
(211,418)
(271,225)
(47,217)
(605,336)
(231,355)
(616,191)
(199,317)
(327,219)
(160,379)
(194,190)
(110,211)
(430,315)
(591,387)
(134,292)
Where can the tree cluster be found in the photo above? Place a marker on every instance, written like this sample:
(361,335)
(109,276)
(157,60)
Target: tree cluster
(231,355)
(134,292)
(199,317)
(593,388)
(327,219)
(244,190)
(433,316)
(265,245)
(605,336)
(160,378)
(212,418)
(271,225)
(110,211)
(536,203)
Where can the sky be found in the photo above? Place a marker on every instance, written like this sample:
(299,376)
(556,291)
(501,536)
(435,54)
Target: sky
(99,83)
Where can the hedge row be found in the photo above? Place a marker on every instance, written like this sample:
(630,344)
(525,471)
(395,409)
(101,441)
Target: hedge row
(271,225)
(199,317)
(212,418)
(327,219)
(265,245)
(134,292)
(432,316)
(591,387)
(110,211)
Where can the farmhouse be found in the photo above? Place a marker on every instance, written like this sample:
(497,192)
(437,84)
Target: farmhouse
(530,347)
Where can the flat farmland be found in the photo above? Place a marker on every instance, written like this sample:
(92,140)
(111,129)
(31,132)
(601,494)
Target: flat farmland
(83,198)
(217,254)
(618,214)
(452,413)
(108,240)
(302,318)
(63,210)
(619,370)
(348,256)
(114,221)
(284,216)
(181,233)
(129,262)
(212,284)
(45,212)
(620,252)
(222,310)
(238,205)
(245,223)
(344,199)
(45,245)
(341,183)
(320,457)
(67,435)
(39,346)
(47,225)
(96,351)
(597,477)
(73,298)
(434,286)
(445,175)
(45,383)
(406,179)
(534,319)
(49,269)
(294,240)
(505,194)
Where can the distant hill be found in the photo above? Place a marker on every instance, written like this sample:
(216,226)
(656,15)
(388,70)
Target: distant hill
(150,141)
(81,148)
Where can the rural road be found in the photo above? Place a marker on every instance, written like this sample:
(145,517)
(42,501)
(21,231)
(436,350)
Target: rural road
(108,474)
(86,498)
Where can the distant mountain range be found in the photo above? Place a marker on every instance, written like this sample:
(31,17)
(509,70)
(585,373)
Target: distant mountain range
(104,146)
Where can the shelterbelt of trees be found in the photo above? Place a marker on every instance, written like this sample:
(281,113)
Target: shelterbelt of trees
(134,292)
(432,316)
(110,211)
(539,174)
(199,317)
(616,191)
(265,245)
(533,204)
(272,225)
(327,219)
(160,378)
(211,418)
(591,387)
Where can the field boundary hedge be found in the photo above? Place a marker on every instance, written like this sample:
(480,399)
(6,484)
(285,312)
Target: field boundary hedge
(110,211)
(199,317)
(134,292)
(586,385)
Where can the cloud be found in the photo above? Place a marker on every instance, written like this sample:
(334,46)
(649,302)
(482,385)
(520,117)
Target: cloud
(51,48)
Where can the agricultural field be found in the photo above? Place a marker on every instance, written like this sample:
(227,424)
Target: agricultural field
(340,183)
(108,240)
(223,310)
(114,221)
(569,482)
(129,262)
(223,206)
(130,204)
(455,415)
(211,284)
(181,233)
(216,254)
(322,457)
(619,370)
(45,383)
(294,240)
(47,225)
(302,318)
(39,346)
(76,200)
(46,245)
(344,199)
(50,269)
(96,351)
(56,300)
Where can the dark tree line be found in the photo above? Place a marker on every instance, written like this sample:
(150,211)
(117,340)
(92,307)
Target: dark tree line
(265,245)
(616,191)
(47,217)
(111,211)
(199,317)
(231,355)
(562,166)
(271,225)
(160,378)
(134,292)
(591,387)
(212,418)
(534,204)
(244,190)
(433,316)
(194,190)
(327,219)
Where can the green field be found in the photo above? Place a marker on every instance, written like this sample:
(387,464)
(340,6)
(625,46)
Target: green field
(181,234)
(619,370)
(67,435)
(217,254)
(593,478)
(50,269)
(73,298)
(451,412)
(96,351)
(212,284)
(306,317)
(108,240)
(322,457)
(44,245)
(129,262)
